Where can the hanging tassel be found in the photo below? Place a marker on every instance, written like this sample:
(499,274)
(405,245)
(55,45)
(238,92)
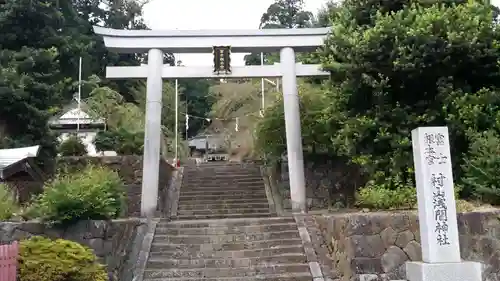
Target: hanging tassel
(236,125)
(187,122)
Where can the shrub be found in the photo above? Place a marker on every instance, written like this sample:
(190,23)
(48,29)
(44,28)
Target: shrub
(122,141)
(8,203)
(72,146)
(464,206)
(482,166)
(93,193)
(382,198)
(105,141)
(42,259)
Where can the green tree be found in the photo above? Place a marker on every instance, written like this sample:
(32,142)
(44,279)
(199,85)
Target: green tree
(281,14)
(126,120)
(39,61)
(270,131)
(195,94)
(324,15)
(31,82)
(409,65)
(286,14)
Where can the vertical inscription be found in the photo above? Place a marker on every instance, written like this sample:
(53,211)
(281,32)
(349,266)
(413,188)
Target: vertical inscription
(433,155)
(222,59)
(434,141)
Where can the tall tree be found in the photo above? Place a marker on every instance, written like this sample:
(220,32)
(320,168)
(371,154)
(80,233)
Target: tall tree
(286,14)
(281,14)
(117,14)
(31,81)
(405,74)
(324,15)
(39,60)
(195,93)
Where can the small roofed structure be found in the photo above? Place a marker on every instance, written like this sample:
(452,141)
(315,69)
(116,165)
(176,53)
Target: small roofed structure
(75,120)
(18,170)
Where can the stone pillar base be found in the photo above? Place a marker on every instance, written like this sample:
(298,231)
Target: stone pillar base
(459,271)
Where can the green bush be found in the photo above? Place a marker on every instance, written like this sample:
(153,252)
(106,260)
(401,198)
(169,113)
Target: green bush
(8,203)
(402,197)
(42,259)
(72,146)
(482,166)
(93,193)
(122,141)
(382,198)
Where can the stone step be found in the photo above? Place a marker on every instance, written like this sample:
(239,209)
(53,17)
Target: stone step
(228,196)
(225,192)
(199,203)
(222,200)
(198,177)
(222,216)
(227,164)
(228,238)
(202,168)
(217,185)
(218,176)
(222,173)
(259,205)
(222,211)
(223,184)
(195,253)
(160,263)
(221,165)
(159,246)
(222,230)
(226,272)
(268,277)
(225,223)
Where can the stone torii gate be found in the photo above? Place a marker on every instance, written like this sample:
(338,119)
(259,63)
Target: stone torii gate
(156,43)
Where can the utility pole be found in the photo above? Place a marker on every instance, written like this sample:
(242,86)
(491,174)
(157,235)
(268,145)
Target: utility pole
(79,97)
(176,119)
(262,85)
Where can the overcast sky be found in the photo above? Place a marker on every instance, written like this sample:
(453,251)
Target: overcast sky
(213,14)
(210,14)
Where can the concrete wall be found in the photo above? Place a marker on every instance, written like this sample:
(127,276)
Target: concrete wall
(375,246)
(112,241)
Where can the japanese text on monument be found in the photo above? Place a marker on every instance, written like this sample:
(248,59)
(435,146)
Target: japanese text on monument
(434,157)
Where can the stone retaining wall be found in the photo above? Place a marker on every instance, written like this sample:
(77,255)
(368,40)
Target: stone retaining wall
(112,241)
(375,246)
(329,182)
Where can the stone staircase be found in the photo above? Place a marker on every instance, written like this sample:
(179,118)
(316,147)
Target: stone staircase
(268,249)
(224,231)
(212,191)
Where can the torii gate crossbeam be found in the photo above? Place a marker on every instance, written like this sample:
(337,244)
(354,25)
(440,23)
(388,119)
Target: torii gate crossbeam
(251,71)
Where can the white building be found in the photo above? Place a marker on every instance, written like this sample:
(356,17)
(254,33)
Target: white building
(76,121)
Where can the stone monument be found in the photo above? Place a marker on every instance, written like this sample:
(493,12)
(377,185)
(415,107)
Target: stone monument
(437,213)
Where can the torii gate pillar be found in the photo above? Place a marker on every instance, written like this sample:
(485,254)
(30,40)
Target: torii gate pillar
(293,131)
(152,134)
